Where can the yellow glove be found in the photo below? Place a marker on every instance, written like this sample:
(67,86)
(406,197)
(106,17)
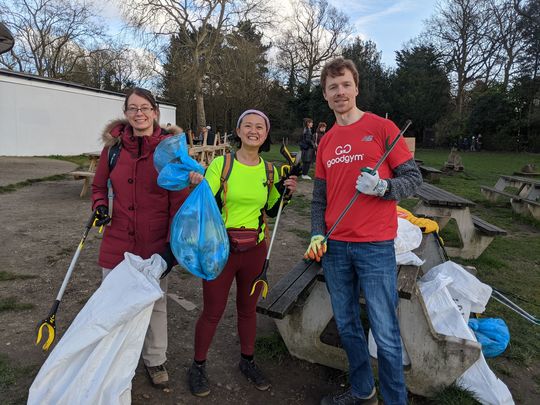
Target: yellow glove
(316,249)
(425,224)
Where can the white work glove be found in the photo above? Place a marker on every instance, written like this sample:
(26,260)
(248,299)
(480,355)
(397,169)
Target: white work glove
(370,184)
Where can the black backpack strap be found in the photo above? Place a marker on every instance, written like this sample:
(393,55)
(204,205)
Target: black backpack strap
(269,177)
(228,160)
(114,154)
(269,167)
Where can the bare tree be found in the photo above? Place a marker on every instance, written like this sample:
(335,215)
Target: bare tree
(316,32)
(507,35)
(461,30)
(52,36)
(201,25)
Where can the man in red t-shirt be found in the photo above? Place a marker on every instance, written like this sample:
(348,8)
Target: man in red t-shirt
(360,253)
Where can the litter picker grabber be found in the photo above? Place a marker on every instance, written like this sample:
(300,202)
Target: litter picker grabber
(498,296)
(49,323)
(290,169)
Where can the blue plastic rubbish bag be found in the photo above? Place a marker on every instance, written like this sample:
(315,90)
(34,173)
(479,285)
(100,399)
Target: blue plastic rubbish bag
(492,333)
(173,163)
(198,236)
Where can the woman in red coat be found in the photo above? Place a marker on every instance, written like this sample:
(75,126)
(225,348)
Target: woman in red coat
(141,213)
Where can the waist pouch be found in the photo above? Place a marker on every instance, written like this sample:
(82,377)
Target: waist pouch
(242,239)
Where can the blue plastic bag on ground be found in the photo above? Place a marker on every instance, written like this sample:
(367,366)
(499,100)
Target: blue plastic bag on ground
(492,333)
(198,236)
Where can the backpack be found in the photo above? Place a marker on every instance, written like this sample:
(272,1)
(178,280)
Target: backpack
(113,155)
(226,172)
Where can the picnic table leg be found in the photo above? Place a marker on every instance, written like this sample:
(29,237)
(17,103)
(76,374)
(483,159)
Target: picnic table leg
(86,186)
(472,240)
(436,360)
(534,210)
(501,184)
(301,330)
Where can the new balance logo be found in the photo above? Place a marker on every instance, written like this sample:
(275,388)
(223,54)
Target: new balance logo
(367,138)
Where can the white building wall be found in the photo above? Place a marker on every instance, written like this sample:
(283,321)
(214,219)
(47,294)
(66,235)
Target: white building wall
(41,118)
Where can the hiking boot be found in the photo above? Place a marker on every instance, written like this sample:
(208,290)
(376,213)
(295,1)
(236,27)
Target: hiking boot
(198,380)
(305,177)
(347,398)
(158,376)
(254,374)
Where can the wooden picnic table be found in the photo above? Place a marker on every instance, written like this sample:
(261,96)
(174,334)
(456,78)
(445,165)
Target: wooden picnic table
(204,154)
(475,233)
(522,192)
(88,175)
(300,305)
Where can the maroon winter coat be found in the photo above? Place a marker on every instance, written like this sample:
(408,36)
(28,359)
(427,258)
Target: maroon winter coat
(142,211)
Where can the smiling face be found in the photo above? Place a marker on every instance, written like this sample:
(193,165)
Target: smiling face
(252,130)
(340,92)
(141,115)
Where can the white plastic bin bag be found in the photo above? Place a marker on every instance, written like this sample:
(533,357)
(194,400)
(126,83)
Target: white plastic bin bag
(443,288)
(95,360)
(469,293)
(408,238)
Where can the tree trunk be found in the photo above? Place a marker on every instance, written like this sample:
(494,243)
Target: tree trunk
(199,100)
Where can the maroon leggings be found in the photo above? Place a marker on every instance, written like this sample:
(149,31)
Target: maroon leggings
(244,267)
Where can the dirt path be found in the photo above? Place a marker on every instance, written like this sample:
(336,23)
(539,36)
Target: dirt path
(42,225)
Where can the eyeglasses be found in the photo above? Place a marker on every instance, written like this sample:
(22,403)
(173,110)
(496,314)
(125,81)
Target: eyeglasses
(135,110)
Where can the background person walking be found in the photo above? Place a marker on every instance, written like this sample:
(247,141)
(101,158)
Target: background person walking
(308,148)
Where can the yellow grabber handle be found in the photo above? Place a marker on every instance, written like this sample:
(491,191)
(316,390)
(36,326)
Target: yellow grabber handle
(261,278)
(49,323)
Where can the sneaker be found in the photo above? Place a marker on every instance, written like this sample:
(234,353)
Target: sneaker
(198,380)
(158,376)
(347,398)
(254,374)
(306,177)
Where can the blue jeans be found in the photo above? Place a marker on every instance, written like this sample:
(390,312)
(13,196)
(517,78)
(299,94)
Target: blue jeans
(371,267)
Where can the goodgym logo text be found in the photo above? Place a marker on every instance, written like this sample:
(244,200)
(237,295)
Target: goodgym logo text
(343,155)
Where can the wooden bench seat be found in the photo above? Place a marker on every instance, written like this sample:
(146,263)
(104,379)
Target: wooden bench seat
(88,178)
(441,205)
(294,287)
(82,175)
(289,290)
(430,173)
(486,227)
(493,195)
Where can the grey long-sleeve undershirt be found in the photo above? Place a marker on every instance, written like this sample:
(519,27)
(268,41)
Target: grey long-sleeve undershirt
(407,178)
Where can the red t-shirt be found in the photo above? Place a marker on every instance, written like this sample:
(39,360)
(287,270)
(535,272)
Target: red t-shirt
(342,153)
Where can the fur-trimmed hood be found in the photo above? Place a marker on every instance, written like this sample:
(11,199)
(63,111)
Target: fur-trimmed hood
(112,133)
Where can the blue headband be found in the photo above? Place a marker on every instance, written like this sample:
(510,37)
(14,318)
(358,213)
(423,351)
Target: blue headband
(256,112)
